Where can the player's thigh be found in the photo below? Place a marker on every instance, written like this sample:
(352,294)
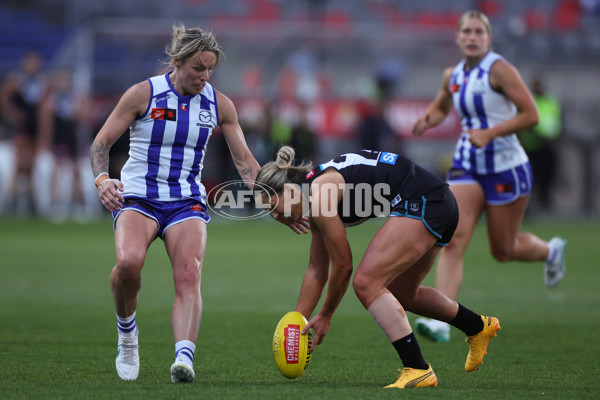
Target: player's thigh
(186,242)
(504,223)
(394,249)
(405,286)
(134,233)
(471,201)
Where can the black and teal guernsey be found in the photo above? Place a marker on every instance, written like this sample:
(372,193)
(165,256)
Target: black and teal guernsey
(386,184)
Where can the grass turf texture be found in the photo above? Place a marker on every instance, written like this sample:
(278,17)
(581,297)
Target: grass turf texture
(58,334)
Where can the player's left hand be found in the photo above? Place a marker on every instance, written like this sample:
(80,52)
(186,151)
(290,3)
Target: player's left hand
(479,137)
(300,226)
(320,324)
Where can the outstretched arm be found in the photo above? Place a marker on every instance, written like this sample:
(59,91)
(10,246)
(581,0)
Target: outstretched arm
(335,241)
(244,161)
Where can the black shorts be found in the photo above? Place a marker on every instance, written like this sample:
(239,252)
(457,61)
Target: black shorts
(437,210)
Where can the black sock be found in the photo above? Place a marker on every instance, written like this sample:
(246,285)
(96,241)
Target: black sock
(467,321)
(409,352)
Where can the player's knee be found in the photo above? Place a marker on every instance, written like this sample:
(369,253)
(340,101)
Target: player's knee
(502,254)
(361,285)
(129,265)
(187,275)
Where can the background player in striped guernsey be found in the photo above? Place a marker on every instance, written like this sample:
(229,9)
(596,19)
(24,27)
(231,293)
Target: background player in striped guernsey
(171,118)
(421,217)
(490,171)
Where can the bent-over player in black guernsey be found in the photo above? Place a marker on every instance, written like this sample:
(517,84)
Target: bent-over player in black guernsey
(421,217)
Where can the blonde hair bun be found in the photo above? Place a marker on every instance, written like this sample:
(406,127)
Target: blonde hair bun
(285,157)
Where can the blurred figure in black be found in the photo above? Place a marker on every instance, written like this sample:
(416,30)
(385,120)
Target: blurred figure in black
(20,96)
(304,140)
(374,129)
(540,143)
(63,112)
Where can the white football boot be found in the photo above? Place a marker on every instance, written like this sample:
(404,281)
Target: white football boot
(554,270)
(182,371)
(128,357)
(433,329)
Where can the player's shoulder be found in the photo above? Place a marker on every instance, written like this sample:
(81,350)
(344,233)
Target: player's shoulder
(137,96)
(227,111)
(140,89)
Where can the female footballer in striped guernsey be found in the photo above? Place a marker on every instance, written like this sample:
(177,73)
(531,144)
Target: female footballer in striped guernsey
(490,171)
(160,193)
(421,217)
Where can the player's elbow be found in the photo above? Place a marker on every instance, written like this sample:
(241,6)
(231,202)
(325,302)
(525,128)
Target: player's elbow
(533,118)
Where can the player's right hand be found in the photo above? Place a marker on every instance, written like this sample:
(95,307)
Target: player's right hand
(109,192)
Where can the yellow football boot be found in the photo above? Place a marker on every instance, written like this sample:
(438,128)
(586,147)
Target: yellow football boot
(478,343)
(414,378)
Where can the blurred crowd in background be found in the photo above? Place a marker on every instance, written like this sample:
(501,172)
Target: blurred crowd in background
(322,75)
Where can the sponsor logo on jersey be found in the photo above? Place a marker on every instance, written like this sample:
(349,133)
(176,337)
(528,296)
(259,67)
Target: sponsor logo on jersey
(396,200)
(205,118)
(388,158)
(454,88)
(169,114)
(183,106)
(163,98)
(310,174)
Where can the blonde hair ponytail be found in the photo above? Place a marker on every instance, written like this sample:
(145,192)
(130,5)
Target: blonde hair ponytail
(273,175)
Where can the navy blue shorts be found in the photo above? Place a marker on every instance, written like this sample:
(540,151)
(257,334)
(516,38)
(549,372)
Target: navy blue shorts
(165,213)
(437,210)
(499,188)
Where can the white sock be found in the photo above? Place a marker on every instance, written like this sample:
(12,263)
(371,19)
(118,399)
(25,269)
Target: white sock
(127,326)
(184,351)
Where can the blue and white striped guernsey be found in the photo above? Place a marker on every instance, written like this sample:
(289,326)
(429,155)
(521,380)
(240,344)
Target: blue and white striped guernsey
(479,107)
(168,144)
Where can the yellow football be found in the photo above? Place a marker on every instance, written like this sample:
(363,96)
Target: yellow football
(290,348)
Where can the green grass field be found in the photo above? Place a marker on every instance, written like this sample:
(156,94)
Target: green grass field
(58,333)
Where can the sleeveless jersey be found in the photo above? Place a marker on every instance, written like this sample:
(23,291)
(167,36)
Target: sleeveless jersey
(479,107)
(373,178)
(168,144)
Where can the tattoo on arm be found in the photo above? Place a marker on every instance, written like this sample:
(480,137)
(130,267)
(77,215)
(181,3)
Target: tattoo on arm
(247,173)
(99,156)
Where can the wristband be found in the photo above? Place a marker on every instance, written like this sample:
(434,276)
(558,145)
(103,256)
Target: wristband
(99,175)
(101,178)
(104,180)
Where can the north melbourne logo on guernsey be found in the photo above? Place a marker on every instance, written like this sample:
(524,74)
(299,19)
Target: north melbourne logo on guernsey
(292,343)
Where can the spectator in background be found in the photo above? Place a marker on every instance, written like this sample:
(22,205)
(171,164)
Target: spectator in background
(20,96)
(7,160)
(540,142)
(490,172)
(62,114)
(280,129)
(374,129)
(304,140)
